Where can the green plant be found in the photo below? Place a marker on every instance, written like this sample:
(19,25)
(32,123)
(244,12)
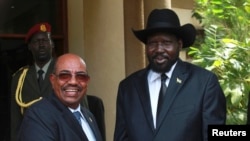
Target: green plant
(225,49)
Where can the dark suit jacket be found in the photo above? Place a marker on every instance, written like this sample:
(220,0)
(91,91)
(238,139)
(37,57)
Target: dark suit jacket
(96,107)
(50,120)
(194,99)
(30,91)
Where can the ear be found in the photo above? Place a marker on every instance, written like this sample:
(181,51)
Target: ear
(52,78)
(51,40)
(180,44)
(52,43)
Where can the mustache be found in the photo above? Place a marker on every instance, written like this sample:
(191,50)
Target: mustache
(161,55)
(70,86)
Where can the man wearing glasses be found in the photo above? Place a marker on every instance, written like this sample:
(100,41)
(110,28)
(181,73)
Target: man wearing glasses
(60,116)
(31,83)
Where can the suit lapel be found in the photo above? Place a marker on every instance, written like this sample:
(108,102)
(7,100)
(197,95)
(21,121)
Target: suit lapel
(90,121)
(178,79)
(69,118)
(74,124)
(32,77)
(141,85)
(46,78)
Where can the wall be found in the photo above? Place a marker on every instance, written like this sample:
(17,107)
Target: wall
(100,32)
(75,27)
(96,33)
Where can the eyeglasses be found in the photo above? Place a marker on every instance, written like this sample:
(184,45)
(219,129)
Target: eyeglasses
(80,77)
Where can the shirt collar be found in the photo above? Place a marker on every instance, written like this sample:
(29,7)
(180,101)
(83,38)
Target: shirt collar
(44,68)
(153,76)
(74,110)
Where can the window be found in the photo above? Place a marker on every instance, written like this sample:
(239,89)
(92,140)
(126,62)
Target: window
(19,15)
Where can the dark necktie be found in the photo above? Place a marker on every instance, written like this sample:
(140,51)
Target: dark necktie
(162,93)
(77,114)
(40,77)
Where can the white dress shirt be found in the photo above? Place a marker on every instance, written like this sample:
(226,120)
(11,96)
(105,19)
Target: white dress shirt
(154,83)
(85,126)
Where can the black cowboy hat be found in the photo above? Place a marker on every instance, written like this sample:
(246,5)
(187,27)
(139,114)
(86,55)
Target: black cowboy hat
(166,20)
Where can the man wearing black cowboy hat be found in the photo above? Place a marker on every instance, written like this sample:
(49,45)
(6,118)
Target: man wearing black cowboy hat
(169,100)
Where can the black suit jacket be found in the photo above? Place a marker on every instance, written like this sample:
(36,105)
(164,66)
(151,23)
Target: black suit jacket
(50,120)
(30,92)
(194,99)
(96,107)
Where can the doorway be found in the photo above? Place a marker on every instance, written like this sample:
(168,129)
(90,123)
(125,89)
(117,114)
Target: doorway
(16,19)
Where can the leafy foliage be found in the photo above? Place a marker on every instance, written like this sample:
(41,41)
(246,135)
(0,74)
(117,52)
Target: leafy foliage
(225,49)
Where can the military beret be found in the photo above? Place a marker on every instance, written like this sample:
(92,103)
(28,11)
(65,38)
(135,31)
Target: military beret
(40,27)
